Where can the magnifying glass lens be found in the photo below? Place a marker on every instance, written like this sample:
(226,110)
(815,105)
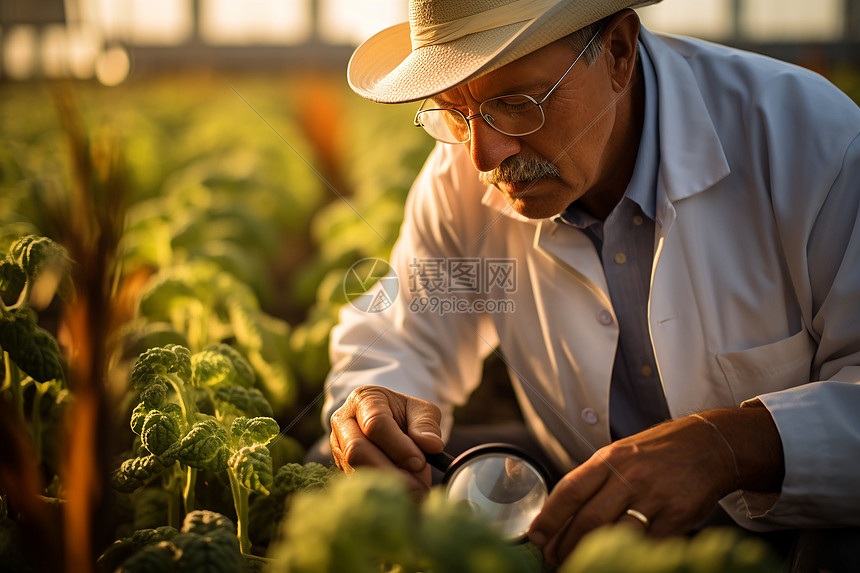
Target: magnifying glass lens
(505,488)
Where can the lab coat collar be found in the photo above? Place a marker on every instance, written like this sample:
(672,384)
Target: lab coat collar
(692,157)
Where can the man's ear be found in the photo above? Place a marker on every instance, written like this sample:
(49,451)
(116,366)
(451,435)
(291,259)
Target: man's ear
(620,37)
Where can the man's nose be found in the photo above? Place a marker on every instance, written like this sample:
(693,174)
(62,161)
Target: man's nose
(489,147)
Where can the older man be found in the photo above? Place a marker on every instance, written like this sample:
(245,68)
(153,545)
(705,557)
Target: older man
(677,220)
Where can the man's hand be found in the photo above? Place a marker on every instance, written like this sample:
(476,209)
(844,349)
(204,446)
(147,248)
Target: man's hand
(382,428)
(673,474)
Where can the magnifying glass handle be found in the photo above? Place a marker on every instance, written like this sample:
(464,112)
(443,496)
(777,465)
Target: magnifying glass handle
(441,461)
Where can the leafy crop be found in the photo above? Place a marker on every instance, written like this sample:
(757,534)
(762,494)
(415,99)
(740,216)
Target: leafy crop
(208,305)
(31,355)
(267,512)
(174,432)
(206,542)
(368,522)
(619,549)
(30,348)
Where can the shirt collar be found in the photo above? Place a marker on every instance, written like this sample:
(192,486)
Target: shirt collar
(642,188)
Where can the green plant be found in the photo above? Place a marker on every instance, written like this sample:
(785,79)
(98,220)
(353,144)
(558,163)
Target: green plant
(31,354)
(267,512)
(620,549)
(177,439)
(206,542)
(368,522)
(209,305)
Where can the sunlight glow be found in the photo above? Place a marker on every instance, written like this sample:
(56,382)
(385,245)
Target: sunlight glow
(351,22)
(792,19)
(254,21)
(703,18)
(112,66)
(163,22)
(758,20)
(19,52)
(55,50)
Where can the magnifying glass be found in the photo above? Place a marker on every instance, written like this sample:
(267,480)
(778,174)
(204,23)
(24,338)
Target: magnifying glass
(499,481)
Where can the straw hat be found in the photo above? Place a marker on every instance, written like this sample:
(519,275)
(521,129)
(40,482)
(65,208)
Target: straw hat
(449,42)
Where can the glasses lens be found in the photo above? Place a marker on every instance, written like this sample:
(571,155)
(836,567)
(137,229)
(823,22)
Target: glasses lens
(448,126)
(513,114)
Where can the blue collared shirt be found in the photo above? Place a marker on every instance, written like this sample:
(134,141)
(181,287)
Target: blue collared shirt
(625,244)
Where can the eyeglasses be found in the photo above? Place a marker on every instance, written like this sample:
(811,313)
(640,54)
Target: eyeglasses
(514,114)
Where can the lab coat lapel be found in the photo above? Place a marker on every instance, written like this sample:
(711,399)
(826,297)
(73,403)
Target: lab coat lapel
(692,161)
(568,247)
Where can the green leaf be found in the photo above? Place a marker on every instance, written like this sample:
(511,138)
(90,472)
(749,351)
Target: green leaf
(242,401)
(294,477)
(159,432)
(123,549)
(253,468)
(137,336)
(143,409)
(12,280)
(154,395)
(213,553)
(158,558)
(253,431)
(205,447)
(34,254)
(205,522)
(164,294)
(267,512)
(30,347)
(265,341)
(221,365)
(355,524)
(156,363)
(453,537)
(135,472)
(617,549)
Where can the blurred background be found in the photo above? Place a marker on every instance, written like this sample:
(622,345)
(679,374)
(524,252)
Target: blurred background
(112,39)
(243,148)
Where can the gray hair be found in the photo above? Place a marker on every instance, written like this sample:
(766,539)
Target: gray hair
(580,38)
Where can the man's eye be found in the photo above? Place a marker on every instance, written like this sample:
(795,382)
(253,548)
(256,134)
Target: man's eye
(444,104)
(513,105)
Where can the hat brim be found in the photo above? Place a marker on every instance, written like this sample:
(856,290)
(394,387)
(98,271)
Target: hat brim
(385,69)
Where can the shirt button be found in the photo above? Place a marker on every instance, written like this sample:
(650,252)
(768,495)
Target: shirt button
(638,220)
(646,370)
(589,416)
(620,258)
(604,317)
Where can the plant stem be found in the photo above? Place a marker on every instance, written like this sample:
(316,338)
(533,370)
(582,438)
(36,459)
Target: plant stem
(188,495)
(189,407)
(36,419)
(13,382)
(240,502)
(174,511)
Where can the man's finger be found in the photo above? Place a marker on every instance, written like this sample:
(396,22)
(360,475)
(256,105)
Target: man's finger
(376,421)
(423,421)
(602,509)
(356,449)
(635,518)
(566,499)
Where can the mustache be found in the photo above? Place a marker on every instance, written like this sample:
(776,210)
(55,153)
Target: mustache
(517,169)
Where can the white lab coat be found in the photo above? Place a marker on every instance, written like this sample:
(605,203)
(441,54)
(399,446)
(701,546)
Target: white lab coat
(755,288)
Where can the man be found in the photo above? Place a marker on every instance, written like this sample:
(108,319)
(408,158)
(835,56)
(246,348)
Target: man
(680,217)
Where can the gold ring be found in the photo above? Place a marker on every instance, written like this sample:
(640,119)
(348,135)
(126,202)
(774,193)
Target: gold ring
(638,516)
